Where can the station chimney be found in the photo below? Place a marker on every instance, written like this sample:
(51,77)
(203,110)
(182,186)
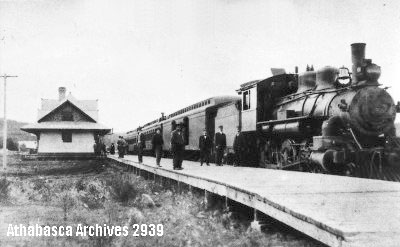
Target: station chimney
(61,93)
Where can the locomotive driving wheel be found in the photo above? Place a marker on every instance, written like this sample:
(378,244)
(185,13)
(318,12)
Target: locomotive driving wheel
(288,154)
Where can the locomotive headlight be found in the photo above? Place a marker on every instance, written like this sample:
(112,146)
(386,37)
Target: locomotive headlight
(344,77)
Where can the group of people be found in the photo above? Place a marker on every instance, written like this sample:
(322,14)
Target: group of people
(157,144)
(206,144)
(100,149)
(121,146)
(178,147)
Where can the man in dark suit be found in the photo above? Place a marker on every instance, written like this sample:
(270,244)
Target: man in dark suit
(141,146)
(220,145)
(239,145)
(112,149)
(157,144)
(121,147)
(205,145)
(177,147)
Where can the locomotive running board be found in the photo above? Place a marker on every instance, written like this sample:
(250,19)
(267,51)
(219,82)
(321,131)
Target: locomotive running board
(294,119)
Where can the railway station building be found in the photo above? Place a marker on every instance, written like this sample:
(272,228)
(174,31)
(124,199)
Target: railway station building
(67,127)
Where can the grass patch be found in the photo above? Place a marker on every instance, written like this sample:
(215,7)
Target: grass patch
(56,193)
(4,189)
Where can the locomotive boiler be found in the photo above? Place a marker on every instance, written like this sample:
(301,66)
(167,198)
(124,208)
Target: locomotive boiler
(331,120)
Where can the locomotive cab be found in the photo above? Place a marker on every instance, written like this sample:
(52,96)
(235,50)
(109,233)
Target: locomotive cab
(259,98)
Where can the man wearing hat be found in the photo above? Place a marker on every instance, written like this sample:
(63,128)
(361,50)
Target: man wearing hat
(141,146)
(157,144)
(177,147)
(121,147)
(220,145)
(239,146)
(205,145)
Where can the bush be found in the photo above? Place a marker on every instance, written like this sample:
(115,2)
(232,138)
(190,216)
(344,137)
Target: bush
(4,189)
(121,190)
(80,185)
(43,189)
(93,197)
(67,203)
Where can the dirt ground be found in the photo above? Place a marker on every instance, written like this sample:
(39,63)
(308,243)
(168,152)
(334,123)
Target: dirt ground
(86,193)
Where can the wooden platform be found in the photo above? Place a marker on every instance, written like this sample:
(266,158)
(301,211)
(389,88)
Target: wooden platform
(338,211)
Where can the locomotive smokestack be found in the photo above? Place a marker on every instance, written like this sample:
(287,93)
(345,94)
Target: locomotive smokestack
(357,58)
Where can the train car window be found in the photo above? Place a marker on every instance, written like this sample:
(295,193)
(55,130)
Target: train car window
(208,101)
(173,125)
(246,100)
(186,130)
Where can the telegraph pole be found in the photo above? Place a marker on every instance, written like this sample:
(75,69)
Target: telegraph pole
(5,76)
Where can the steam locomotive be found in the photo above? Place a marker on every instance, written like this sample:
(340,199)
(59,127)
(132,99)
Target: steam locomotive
(328,121)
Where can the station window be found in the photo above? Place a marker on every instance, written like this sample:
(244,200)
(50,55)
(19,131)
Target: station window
(66,136)
(246,100)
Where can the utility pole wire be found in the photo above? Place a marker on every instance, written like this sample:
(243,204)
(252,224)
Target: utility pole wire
(5,76)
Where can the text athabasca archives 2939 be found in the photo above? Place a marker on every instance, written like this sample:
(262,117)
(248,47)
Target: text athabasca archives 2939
(81,230)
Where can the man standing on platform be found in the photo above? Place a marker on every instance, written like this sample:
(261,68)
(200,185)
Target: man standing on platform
(177,147)
(157,143)
(141,145)
(121,147)
(112,149)
(205,145)
(220,145)
(239,146)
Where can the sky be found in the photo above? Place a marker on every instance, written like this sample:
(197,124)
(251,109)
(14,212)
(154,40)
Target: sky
(141,58)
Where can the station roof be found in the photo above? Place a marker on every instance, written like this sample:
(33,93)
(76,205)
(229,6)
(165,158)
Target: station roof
(89,107)
(65,125)
(49,120)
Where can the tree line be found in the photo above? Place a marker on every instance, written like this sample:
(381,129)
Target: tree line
(11,144)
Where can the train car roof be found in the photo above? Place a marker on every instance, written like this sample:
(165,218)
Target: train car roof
(248,85)
(201,105)
(264,82)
